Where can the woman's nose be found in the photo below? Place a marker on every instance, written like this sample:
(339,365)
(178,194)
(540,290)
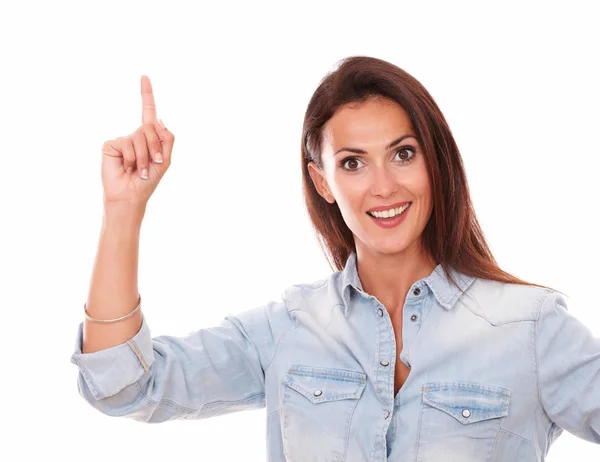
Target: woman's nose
(384,181)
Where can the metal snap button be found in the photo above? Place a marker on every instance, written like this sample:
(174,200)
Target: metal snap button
(417,291)
(408,365)
(413,318)
(380,312)
(318,393)
(385,363)
(466,413)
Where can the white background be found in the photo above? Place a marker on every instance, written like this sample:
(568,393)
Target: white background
(226,230)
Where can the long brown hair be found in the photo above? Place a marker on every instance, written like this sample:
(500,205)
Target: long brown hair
(452,236)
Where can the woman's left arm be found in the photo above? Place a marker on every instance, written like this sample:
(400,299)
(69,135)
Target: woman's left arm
(568,369)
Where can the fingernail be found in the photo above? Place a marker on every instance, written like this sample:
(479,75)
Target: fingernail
(160,122)
(145,174)
(158,158)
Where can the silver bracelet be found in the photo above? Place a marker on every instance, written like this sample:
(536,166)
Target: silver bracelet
(105,321)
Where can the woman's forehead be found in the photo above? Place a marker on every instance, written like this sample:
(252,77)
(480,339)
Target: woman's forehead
(372,124)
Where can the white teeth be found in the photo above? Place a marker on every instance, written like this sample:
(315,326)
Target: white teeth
(389,213)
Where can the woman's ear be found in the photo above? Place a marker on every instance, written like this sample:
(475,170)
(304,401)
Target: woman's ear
(318,179)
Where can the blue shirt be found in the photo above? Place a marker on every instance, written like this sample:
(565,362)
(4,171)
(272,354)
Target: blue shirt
(496,373)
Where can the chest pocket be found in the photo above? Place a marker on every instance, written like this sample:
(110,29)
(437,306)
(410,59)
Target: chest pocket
(317,408)
(460,421)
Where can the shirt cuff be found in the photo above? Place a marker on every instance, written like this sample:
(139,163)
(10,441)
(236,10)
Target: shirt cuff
(107,372)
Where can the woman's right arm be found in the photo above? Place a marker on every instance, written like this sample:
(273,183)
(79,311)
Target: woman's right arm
(132,167)
(123,370)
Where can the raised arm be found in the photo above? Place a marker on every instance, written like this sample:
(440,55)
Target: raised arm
(127,187)
(123,371)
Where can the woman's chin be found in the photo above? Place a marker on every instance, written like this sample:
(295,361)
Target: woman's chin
(389,246)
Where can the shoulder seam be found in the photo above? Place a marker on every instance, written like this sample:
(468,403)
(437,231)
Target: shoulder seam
(310,285)
(296,288)
(281,337)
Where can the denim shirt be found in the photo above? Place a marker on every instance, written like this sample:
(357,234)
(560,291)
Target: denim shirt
(496,373)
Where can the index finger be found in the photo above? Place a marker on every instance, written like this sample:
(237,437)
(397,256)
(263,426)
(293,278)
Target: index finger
(148,105)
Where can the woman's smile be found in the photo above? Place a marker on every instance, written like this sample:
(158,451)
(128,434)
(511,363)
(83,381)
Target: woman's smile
(393,221)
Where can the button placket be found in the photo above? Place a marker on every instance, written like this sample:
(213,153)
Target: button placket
(414,318)
(416,292)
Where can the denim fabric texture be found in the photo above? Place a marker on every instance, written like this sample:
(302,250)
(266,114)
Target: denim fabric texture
(496,373)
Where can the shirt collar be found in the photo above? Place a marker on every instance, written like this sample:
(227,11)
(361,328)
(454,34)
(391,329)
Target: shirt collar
(443,289)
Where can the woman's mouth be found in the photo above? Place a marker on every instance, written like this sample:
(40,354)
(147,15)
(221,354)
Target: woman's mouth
(390,222)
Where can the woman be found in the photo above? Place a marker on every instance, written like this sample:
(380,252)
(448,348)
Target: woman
(418,346)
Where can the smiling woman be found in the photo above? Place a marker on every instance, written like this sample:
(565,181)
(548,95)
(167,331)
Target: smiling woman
(417,347)
(368,107)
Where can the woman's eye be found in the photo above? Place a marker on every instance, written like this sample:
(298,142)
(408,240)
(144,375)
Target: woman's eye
(349,159)
(403,160)
(407,148)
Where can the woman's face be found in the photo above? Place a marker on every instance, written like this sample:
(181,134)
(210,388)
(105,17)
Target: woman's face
(380,176)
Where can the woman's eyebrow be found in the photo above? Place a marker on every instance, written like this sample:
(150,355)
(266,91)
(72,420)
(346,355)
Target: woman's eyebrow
(391,145)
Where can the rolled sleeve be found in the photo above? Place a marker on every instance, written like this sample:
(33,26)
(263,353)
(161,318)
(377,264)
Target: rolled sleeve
(107,372)
(568,367)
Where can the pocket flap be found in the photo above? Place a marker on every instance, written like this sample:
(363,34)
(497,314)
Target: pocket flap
(467,402)
(321,384)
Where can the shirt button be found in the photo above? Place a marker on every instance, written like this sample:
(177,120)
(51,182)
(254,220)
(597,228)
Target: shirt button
(318,393)
(466,413)
(385,363)
(387,414)
(417,291)
(413,318)
(380,312)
